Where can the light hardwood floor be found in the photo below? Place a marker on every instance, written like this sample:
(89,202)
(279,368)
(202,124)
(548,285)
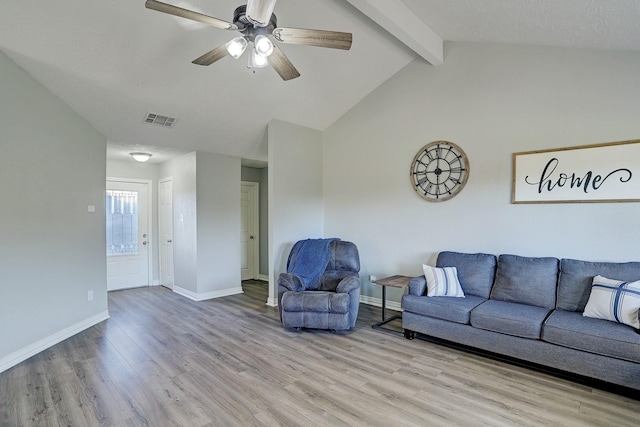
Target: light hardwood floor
(164,360)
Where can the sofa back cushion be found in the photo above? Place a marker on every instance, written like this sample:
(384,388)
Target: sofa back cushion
(576,277)
(526,280)
(476,272)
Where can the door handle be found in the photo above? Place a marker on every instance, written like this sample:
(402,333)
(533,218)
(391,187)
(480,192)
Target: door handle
(144,243)
(169,241)
(251,237)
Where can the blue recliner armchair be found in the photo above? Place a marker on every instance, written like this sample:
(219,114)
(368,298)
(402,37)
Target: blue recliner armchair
(328,302)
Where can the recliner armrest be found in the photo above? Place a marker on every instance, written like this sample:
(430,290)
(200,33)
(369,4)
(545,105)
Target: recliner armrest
(290,282)
(417,286)
(348,284)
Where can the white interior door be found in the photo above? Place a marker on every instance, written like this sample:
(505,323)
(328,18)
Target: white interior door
(128,238)
(165,211)
(249,230)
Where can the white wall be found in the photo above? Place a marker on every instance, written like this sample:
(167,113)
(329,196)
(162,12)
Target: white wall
(492,100)
(52,250)
(296,208)
(142,171)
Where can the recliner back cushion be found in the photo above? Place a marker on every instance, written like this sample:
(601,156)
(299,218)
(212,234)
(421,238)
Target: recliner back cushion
(526,280)
(344,261)
(344,256)
(476,272)
(576,277)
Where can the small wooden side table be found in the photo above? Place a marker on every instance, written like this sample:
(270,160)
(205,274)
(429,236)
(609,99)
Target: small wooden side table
(396,281)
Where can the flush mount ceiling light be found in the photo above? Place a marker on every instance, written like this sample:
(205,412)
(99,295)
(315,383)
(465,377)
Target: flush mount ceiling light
(258,25)
(140,157)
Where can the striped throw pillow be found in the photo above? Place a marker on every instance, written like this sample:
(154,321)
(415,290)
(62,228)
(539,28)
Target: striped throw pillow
(442,282)
(614,300)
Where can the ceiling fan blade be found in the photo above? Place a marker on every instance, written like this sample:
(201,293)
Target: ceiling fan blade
(259,11)
(211,56)
(282,65)
(189,14)
(320,38)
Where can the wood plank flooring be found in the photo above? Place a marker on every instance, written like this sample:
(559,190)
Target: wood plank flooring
(164,360)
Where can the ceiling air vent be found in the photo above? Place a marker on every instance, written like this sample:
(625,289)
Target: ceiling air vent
(160,120)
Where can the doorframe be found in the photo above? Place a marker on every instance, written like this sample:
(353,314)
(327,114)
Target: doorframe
(255,200)
(149,184)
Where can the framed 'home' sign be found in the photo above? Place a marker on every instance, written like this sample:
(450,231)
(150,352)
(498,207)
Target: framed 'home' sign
(590,173)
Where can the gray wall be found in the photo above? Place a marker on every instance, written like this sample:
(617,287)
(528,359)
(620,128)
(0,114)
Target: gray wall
(183,172)
(206,224)
(492,100)
(218,199)
(296,205)
(52,250)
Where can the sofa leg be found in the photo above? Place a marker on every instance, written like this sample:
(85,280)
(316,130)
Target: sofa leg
(409,334)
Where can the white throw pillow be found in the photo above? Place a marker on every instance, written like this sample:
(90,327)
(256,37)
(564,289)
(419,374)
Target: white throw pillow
(442,282)
(614,300)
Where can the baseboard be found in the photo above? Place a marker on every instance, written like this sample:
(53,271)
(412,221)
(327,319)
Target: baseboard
(207,295)
(377,302)
(263,277)
(43,344)
(272,302)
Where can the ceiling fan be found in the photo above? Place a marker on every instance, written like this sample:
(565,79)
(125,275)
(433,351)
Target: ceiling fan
(256,22)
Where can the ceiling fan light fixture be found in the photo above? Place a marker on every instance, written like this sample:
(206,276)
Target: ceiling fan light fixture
(140,157)
(257,61)
(237,46)
(263,45)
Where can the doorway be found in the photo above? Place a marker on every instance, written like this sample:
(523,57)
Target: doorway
(165,217)
(249,236)
(127,233)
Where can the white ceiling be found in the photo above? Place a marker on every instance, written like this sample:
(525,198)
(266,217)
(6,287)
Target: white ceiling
(114,61)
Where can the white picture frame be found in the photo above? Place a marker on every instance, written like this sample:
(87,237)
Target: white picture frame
(598,173)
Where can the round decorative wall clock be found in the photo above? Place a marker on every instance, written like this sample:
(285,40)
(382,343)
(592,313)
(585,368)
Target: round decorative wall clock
(439,171)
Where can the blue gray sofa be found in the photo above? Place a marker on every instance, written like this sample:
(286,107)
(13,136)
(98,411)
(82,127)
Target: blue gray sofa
(530,309)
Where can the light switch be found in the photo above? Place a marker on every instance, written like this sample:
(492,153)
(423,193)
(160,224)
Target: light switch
(91,208)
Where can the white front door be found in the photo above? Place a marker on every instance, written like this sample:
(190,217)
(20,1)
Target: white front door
(128,238)
(249,230)
(165,211)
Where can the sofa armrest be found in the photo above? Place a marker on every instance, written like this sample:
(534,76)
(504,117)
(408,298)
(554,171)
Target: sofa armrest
(417,286)
(290,282)
(348,284)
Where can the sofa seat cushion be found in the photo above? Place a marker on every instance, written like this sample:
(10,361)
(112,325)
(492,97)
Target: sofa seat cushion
(316,301)
(509,318)
(573,330)
(452,309)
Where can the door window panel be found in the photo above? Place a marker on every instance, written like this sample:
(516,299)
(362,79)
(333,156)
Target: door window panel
(122,222)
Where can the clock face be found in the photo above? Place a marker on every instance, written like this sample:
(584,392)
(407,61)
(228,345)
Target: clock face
(439,171)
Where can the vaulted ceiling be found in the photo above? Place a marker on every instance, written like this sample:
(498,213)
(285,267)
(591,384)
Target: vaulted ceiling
(114,61)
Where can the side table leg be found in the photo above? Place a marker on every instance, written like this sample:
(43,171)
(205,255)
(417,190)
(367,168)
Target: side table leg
(384,302)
